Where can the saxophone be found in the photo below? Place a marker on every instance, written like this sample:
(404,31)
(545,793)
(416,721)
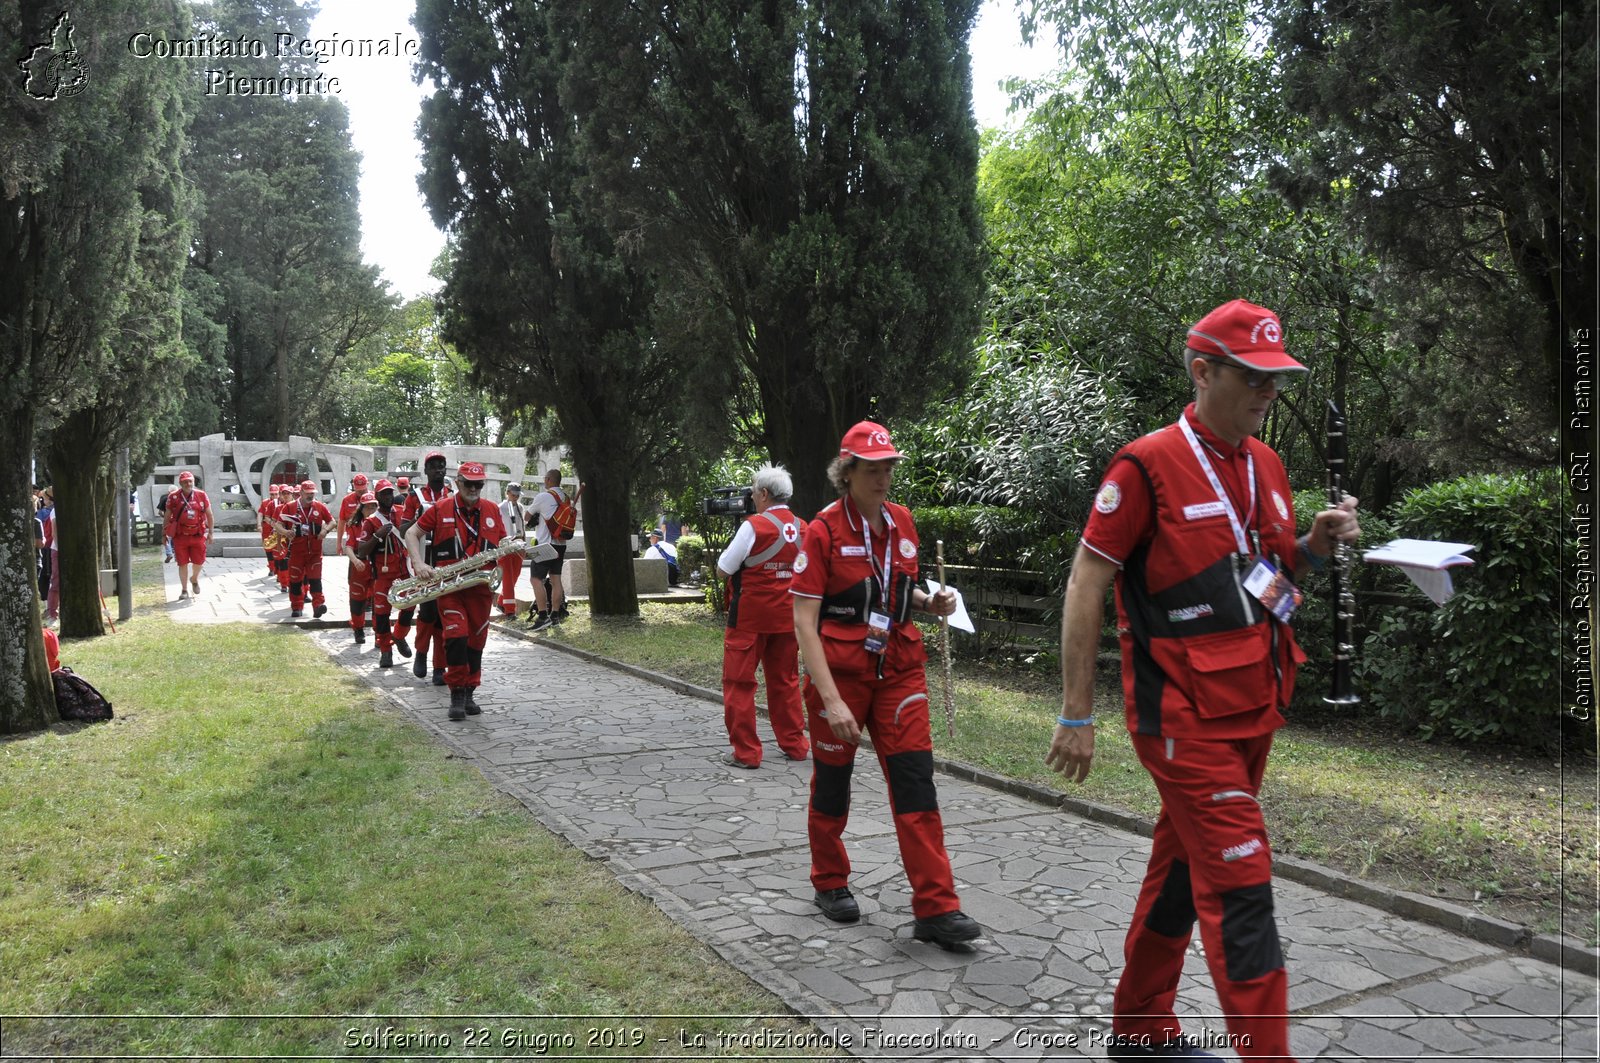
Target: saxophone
(480,568)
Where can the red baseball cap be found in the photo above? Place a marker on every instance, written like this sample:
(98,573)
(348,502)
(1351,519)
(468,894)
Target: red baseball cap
(430,455)
(369,499)
(358,478)
(472,470)
(186,475)
(307,485)
(274,488)
(1245,333)
(869,442)
(381,486)
(404,482)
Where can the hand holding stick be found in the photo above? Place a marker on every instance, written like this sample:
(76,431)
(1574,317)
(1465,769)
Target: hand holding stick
(944,648)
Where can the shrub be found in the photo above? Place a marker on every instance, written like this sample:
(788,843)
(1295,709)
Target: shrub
(1483,667)
(691,554)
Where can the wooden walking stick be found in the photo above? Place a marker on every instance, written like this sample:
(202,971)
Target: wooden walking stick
(944,648)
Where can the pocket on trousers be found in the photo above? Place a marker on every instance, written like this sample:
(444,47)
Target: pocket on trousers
(1230,672)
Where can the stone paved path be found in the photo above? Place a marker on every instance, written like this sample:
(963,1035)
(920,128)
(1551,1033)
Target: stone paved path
(632,776)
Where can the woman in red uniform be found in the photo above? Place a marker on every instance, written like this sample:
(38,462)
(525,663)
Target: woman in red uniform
(854,589)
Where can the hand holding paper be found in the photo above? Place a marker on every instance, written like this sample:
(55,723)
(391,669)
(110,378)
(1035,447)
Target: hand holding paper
(958,619)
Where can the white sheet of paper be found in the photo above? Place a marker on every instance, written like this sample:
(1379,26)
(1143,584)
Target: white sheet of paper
(1426,561)
(542,552)
(958,619)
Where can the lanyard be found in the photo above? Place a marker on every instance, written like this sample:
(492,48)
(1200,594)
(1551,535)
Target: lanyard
(881,575)
(472,526)
(1216,484)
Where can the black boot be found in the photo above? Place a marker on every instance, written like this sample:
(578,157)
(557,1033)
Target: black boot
(947,930)
(419,667)
(438,677)
(361,636)
(458,703)
(387,660)
(317,611)
(403,648)
(472,706)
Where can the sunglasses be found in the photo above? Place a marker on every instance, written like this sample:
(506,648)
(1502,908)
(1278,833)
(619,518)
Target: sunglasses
(476,485)
(1256,379)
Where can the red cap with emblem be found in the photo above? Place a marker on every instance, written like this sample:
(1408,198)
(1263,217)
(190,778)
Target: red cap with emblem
(358,480)
(1245,333)
(430,455)
(404,482)
(307,485)
(382,486)
(186,477)
(369,499)
(274,488)
(472,470)
(869,442)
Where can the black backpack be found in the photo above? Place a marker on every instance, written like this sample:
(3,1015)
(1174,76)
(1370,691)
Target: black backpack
(77,699)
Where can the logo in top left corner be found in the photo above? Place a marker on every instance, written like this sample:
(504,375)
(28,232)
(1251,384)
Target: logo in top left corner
(55,71)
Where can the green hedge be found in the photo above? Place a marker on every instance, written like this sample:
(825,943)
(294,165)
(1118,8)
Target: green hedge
(1484,667)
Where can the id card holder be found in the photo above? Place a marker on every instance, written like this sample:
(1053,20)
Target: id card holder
(1273,589)
(877,632)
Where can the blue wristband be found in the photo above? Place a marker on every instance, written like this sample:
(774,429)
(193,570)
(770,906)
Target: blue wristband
(1087,721)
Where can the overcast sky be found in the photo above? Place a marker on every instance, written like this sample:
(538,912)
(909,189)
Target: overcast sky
(397,233)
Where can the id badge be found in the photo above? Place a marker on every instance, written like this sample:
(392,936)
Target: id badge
(1273,589)
(877,632)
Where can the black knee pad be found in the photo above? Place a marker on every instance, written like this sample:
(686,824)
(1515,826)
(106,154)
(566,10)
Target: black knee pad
(428,613)
(911,781)
(316,586)
(380,623)
(1250,933)
(475,660)
(406,615)
(830,789)
(1173,915)
(455,651)
(296,590)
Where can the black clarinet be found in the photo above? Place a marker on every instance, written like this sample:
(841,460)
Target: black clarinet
(1341,594)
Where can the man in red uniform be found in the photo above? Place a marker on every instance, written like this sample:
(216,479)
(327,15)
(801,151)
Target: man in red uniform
(189,524)
(379,545)
(267,511)
(1193,521)
(419,501)
(854,589)
(462,526)
(759,564)
(307,521)
(358,584)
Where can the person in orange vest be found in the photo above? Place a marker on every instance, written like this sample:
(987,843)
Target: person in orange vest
(461,526)
(759,564)
(855,586)
(190,525)
(1195,523)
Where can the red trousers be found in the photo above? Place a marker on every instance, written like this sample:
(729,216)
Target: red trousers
(360,581)
(383,636)
(305,570)
(894,711)
(1209,861)
(464,616)
(510,571)
(778,654)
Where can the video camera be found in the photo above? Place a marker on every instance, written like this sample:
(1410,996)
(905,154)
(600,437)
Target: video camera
(728,502)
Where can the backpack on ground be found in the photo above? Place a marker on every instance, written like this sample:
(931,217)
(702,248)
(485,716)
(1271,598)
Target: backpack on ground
(77,699)
(563,523)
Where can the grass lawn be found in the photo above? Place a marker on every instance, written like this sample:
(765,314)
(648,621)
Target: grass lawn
(1513,837)
(257,835)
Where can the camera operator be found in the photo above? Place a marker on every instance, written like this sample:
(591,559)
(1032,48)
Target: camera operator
(759,566)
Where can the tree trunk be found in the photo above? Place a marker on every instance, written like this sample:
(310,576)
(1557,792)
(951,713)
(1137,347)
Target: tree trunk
(75,464)
(27,699)
(606,528)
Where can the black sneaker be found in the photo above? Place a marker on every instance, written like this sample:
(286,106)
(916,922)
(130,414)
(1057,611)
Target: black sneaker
(317,611)
(560,614)
(838,905)
(1123,1047)
(458,703)
(438,677)
(951,928)
(296,614)
(419,668)
(545,620)
(387,660)
(361,636)
(473,708)
(403,648)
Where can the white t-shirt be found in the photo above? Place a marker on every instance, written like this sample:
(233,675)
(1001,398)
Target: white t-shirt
(664,550)
(543,508)
(732,558)
(512,513)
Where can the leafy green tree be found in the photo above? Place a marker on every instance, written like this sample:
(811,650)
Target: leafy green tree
(85,161)
(281,234)
(550,309)
(1460,139)
(800,180)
